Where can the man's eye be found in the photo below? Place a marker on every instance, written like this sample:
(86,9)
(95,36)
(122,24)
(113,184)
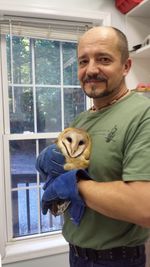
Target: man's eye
(104,60)
(82,62)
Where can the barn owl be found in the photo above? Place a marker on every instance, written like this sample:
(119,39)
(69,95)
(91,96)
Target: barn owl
(75,145)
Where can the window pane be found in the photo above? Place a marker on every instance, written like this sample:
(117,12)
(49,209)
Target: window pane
(25,211)
(74,103)
(50,222)
(26,188)
(45,143)
(47,62)
(22,162)
(70,64)
(21,59)
(21,109)
(48,110)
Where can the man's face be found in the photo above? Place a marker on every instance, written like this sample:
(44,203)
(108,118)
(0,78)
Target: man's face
(100,69)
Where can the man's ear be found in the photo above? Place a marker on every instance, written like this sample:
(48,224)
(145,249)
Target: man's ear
(127,66)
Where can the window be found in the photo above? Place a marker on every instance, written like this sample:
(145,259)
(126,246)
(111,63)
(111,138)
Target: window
(41,96)
(44,96)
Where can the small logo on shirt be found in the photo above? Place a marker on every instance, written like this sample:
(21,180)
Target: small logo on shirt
(110,136)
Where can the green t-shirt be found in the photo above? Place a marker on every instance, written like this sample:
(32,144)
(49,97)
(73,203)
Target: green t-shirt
(120,151)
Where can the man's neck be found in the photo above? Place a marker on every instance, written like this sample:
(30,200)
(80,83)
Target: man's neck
(109,100)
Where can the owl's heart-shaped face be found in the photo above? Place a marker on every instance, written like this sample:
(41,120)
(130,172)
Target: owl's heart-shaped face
(73,142)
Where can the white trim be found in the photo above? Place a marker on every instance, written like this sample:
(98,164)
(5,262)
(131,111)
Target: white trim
(34,85)
(8,187)
(30,136)
(62,86)
(2,202)
(5,84)
(35,248)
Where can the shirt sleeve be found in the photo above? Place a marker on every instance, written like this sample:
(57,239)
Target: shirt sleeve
(136,162)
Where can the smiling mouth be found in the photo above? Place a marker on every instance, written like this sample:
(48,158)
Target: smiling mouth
(98,80)
(95,83)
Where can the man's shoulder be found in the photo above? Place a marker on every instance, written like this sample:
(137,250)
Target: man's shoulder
(140,98)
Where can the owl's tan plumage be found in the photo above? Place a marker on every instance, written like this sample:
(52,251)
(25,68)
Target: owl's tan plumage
(75,144)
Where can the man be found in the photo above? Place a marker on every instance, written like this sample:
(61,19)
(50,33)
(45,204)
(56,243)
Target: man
(114,226)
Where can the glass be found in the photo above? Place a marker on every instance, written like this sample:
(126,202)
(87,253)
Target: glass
(47,62)
(50,222)
(74,103)
(22,162)
(22,58)
(43,143)
(21,109)
(49,110)
(70,64)
(25,211)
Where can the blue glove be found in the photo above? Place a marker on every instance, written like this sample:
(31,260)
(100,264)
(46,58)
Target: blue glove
(50,162)
(50,165)
(64,187)
(57,206)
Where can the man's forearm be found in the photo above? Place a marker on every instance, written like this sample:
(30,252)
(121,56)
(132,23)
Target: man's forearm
(118,200)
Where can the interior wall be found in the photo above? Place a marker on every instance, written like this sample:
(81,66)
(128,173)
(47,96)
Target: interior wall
(117,20)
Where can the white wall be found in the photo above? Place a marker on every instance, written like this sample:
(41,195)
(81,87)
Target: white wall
(38,6)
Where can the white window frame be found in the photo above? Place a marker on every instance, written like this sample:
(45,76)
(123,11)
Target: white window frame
(45,244)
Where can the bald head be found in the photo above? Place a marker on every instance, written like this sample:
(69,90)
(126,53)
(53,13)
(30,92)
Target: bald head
(111,35)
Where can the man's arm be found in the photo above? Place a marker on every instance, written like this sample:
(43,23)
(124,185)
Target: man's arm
(127,201)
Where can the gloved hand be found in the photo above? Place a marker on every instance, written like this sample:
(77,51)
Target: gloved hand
(50,162)
(50,165)
(57,206)
(64,187)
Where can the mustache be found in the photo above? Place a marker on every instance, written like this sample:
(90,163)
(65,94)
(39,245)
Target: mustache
(97,78)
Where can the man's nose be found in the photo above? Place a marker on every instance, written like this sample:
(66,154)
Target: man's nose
(92,68)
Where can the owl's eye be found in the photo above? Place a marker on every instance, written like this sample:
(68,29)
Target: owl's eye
(69,139)
(81,143)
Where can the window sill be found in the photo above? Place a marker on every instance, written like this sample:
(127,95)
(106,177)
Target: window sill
(35,248)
